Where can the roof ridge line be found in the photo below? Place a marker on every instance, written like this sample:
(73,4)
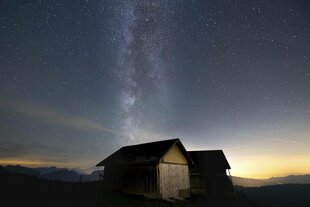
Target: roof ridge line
(165,140)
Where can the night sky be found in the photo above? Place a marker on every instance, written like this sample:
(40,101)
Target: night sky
(79,79)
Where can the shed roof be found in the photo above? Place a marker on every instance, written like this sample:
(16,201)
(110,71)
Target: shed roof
(147,153)
(209,160)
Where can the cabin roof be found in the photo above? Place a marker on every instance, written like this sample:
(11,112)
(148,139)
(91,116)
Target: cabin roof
(146,153)
(209,160)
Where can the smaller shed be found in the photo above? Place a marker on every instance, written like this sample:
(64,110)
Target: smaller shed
(208,174)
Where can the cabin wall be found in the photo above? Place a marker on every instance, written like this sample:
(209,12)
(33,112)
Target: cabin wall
(112,177)
(210,184)
(133,179)
(173,180)
(198,184)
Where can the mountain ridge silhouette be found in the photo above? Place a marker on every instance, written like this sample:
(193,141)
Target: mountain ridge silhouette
(73,175)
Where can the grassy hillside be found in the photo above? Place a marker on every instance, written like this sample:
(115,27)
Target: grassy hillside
(25,190)
(286,195)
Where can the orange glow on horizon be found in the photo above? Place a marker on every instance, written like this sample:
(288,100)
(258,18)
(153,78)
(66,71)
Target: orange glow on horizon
(263,167)
(29,162)
(21,162)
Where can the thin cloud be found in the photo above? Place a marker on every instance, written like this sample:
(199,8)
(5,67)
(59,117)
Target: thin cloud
(276,139)
(61,160)
(52,116)
(33,154)
(284,141)
(12,150)
(17,150)
(263,141)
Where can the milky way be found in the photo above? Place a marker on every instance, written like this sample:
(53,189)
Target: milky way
(140,68)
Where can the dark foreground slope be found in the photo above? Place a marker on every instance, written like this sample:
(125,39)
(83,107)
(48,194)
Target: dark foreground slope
(25,190)
(285,195)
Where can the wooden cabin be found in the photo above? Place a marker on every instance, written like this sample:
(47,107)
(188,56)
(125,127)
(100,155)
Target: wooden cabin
(208,174)
(157,169)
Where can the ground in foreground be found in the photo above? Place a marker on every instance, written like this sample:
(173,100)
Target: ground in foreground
(23,190)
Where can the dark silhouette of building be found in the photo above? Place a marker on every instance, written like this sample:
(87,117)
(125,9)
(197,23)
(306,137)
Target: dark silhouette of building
(157,169)
(208,173)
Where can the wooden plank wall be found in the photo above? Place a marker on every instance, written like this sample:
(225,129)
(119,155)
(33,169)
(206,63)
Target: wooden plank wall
(140,179)
(174,179)
(113,177)
(132,179)
(210,184)
(198,184)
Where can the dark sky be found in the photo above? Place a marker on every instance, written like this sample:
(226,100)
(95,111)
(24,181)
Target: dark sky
(79,79)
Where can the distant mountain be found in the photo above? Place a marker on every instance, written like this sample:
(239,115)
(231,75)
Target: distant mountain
(3,170)
(291,179)
(249,182)
(296,179)
(52,173)
(20,170)
(62,175)
(94,176)
(74,175)
(46,170)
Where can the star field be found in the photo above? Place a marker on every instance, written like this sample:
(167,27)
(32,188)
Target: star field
(79,79)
